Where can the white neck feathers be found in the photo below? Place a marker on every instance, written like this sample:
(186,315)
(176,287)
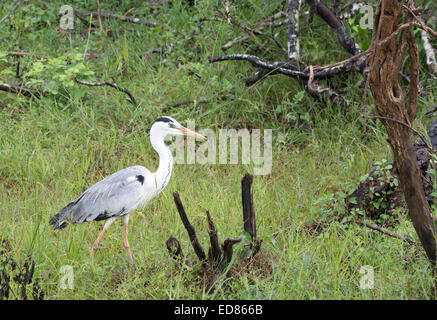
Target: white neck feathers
(162,175)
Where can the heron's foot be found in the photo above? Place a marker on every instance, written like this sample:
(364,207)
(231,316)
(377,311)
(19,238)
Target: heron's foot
(129,253)
(93,250)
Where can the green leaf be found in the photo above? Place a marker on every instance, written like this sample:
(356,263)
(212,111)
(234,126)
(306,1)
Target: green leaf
(353,200)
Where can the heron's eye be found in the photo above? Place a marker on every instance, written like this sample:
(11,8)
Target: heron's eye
(171,125)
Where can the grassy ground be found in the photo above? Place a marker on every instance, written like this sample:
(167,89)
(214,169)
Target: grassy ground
(53,148)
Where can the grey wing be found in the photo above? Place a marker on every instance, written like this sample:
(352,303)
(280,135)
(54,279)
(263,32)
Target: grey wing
(114,196)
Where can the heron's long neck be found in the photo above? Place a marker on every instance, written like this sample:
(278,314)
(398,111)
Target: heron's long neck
(162,175)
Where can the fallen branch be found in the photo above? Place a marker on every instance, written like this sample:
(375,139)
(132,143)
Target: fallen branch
(385,231)
(283,67)
(119,17)
(107,83)
(182,103)
(291,67)
(19,2)
(268,22)
(21,90)
(357,61)
(421,136)
(21,53)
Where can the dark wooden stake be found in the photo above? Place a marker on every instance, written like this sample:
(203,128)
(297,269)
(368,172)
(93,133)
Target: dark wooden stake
(215,252)
(248,209)
(228,251)
(190,229)
(219,257)
(174,248)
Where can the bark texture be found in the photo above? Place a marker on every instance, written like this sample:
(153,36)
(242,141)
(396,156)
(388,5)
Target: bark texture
(397,114)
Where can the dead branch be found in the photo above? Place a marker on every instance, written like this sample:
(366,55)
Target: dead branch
(174,248)
(257,76)
(99,15)
(268,22)
(219,257)
(215,252)
(285,68)
(21,53)
(335,23)
(87,23)
(421,136)
(357,62)
(310,85)
(19,3)
(17,89)
(250,32)
(423,26)
(249,219)
(107,83)
(119,17)
(228,251)
(182,103)
(293,29)
(292,68)
(385,231)
(355,7)
(315,89)
(17,70)
(190,229)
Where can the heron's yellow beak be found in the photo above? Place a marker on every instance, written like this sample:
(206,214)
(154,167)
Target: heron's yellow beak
(191,133)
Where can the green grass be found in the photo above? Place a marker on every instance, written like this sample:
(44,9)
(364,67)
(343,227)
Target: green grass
(54,148)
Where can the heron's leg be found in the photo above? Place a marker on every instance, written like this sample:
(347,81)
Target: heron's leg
(101,234)
(126,241)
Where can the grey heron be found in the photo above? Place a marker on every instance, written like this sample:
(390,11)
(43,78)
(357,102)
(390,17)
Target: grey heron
(126,190)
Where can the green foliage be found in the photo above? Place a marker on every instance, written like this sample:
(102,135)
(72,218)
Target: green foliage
(56,73)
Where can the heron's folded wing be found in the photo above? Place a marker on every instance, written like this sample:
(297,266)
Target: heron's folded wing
(116,195)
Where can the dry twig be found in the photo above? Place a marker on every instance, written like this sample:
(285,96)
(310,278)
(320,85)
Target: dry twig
(107,83)
(385,231)
(119,17)
(19,2)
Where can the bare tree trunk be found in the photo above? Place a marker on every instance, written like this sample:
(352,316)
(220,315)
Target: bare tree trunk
(397,115)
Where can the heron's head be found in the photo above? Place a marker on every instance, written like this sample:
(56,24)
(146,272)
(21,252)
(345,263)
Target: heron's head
(167,125)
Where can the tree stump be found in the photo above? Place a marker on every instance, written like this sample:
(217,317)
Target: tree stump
(219,257)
